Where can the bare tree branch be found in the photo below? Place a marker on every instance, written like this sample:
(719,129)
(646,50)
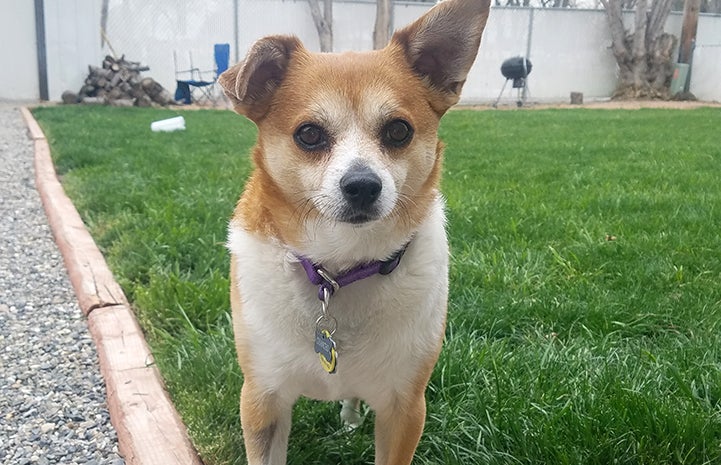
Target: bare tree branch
(323,23)
(618,33)
(657,19)
(382,29)
(638,49)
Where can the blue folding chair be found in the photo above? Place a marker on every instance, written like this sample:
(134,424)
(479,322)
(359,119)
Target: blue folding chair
(201,83)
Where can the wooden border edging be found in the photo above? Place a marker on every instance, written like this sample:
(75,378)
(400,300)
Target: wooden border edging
(150,431)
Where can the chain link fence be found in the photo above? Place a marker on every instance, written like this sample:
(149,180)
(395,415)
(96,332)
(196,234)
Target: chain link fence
(168,35)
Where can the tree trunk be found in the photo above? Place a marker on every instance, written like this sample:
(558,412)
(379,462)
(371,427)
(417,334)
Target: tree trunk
(638,47)
(644,55)
(382,30)
(323,23)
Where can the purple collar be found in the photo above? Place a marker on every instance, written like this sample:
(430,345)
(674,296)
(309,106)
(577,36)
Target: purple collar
(326,282)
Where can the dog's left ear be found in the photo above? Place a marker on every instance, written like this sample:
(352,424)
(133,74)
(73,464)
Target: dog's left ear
(442,45)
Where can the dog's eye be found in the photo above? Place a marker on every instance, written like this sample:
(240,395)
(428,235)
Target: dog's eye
(397,133)
(310,137)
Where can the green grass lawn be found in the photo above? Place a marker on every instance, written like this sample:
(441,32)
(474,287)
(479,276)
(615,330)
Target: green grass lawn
(585,305)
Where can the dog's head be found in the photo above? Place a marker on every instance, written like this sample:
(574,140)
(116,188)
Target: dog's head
(352,137)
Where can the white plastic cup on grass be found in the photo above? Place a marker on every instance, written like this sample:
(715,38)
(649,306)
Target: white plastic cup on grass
(167,125)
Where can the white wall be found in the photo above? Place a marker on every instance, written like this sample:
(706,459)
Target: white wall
(569,49)
(260,18)
(706,69)
(18,52)
(353,25)
(573,57)
(571,52)
(72,39)
(72,35)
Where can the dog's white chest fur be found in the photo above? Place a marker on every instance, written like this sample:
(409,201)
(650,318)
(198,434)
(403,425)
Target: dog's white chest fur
(387,325)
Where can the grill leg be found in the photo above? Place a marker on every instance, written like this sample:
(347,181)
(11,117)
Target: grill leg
(495,105)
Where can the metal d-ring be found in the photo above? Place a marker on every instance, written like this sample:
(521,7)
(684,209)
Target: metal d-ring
(327,277)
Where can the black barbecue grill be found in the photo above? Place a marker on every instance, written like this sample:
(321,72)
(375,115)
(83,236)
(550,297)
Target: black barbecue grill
(516,69)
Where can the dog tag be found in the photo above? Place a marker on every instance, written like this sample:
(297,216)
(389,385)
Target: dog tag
(325,348)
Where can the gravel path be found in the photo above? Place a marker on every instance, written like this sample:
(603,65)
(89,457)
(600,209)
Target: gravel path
(52,397)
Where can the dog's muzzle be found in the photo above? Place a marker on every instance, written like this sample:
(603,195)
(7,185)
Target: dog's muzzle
(361,188)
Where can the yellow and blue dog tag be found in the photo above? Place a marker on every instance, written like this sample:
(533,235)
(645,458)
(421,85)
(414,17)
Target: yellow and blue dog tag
(325,348)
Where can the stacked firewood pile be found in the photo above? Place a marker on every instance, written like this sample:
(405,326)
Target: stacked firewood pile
(119,82)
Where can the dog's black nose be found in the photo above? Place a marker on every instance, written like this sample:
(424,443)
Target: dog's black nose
(361,187)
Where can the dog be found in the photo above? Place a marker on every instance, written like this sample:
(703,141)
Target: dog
(338,249)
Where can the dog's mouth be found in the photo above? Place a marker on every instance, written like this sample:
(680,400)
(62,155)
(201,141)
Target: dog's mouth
(343,213)
(358,218)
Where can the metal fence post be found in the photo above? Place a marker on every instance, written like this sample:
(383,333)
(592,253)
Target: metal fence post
(41,49)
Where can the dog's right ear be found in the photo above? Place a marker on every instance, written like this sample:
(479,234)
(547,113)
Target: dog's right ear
(251,83)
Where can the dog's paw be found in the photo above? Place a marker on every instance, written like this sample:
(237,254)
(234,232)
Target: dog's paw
(350,414)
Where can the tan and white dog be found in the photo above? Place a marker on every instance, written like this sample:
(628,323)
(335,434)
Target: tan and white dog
(339,257)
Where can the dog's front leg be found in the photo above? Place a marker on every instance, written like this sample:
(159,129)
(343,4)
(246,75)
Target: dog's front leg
(398,429)
(266,421)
